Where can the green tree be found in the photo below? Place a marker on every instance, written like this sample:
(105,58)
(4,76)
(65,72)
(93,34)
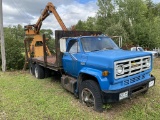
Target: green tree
(90,23)
(81,25)
(50,40)
(14,47)
(136,21)
(47,32)
(104,15)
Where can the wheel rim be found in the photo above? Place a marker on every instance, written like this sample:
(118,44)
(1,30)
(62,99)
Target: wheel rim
(88,97)
(36,72)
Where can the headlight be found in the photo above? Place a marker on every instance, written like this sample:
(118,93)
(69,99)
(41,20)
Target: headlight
(119,69)
(148,63)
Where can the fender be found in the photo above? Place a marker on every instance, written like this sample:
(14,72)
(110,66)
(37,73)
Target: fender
(103,81)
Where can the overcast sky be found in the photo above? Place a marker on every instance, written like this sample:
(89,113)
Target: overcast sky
(28,11)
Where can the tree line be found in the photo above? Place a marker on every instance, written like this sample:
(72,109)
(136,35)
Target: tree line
(137,21)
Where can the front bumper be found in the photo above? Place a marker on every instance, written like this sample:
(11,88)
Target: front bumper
(113,96)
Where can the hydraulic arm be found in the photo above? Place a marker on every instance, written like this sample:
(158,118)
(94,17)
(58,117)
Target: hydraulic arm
(50,8)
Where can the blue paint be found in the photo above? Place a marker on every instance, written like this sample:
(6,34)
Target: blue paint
(94,63)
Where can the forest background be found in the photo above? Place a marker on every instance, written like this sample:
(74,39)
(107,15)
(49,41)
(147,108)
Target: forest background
(138,22)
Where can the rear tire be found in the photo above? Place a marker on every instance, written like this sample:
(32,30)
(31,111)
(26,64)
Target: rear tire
(39,72)
(32,68)
(90,95)
(47,72)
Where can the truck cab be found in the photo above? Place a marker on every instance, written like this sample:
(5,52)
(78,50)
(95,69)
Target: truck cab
(79,50)
(98,71)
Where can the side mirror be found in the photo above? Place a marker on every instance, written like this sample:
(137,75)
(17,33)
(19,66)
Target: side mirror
(63,45)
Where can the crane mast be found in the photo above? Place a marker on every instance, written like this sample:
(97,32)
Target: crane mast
(35,28)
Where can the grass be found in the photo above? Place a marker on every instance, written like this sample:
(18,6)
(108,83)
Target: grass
(23,97)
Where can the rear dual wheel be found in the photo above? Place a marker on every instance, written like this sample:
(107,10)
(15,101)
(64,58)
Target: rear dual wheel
(32,68)
(39,72)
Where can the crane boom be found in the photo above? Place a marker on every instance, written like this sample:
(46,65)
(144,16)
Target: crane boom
(50,8)
(34,43)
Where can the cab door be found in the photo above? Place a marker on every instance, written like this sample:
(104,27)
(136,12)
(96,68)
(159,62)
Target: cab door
(72,57)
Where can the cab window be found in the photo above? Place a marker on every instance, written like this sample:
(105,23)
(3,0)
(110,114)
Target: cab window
(73,46)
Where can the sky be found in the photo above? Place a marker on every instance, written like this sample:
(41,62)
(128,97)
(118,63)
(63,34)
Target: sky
(26,12)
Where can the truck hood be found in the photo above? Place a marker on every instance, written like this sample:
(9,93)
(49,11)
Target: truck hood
(116,54)
(104,60)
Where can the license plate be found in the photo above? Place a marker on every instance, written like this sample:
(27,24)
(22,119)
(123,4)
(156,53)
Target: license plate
(123,95)
(151,83)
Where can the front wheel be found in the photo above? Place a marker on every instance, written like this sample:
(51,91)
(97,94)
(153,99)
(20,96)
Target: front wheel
(89,94)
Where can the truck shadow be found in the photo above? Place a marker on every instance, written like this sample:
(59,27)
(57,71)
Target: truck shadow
(55,77)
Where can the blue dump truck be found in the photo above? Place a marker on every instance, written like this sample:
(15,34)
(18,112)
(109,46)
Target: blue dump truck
(94,68)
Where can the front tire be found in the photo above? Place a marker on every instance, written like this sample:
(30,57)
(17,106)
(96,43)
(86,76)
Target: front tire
(39,72)
(90,95)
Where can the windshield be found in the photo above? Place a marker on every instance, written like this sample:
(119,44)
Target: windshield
(91,44)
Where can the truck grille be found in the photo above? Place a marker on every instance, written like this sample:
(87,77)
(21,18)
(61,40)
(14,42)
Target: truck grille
(132,66)
(132,80)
